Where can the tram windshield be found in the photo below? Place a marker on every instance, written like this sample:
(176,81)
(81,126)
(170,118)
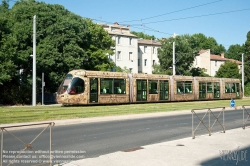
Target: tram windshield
(76,86)
(65,83)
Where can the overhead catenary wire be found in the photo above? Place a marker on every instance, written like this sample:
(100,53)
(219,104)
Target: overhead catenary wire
(173,12)
(183,18)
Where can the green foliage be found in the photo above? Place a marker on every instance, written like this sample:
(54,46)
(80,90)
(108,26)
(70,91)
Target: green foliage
(65,41)
(235,52)
(228,70)
(143,35)
(157,69)
(198,72)
(184,55)
(247,59)
(125,69)
(200,41)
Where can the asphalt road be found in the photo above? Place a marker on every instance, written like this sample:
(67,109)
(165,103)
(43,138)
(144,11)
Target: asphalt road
(94,139)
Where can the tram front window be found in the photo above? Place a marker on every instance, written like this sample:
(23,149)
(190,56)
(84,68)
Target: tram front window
(65,83)
(76,86)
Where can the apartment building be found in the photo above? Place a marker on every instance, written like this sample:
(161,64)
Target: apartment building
(211,63)
(126,47)
(139,55)
(147,55)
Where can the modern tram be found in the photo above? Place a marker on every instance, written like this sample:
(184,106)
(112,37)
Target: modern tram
(83,87)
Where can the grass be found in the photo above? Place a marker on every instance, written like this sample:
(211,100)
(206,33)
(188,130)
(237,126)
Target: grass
(19,114)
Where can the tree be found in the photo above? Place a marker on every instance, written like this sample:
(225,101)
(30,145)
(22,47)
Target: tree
(247,64)
(198,72)
(228,70)
(183,52)
(7,67)
(65,41)
(235,52)
(143,35)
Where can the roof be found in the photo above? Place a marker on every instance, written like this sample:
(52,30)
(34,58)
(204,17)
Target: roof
(203,51)
(219,58)
(149,42)
(121,34)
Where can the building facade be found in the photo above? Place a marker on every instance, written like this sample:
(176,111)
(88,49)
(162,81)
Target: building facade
(126,47)
(211,63)
(147,55)
(139,55)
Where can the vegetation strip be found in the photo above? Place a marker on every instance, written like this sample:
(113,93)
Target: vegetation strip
(20,114)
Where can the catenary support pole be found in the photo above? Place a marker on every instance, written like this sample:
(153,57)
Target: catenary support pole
(173,58)
(34,63)
(242,73)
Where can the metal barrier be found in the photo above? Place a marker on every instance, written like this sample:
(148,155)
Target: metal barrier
(209,128)
(27,145)
(248,115)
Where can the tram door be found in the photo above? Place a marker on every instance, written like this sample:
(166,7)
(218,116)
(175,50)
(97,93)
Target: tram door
(93,90)
(141,86)
(164,90)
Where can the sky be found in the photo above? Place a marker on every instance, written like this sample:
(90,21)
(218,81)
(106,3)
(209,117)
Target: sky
(228,21)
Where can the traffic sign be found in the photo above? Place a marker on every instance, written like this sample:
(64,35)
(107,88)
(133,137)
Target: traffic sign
(232,103)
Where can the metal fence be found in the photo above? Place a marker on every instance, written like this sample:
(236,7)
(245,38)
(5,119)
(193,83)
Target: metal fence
(209,112)
(27,146)
(248,115)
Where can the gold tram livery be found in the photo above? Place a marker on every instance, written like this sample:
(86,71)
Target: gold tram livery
(82,87)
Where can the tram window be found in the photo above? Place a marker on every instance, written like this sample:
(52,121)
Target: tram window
(216,90)
(230,87)
(202,90)
(76,86)
(184,87)
(180,87)
(209,87)
(188,87)
(237,89)
(65,83)
(119,86)
(153,87)
(113,86)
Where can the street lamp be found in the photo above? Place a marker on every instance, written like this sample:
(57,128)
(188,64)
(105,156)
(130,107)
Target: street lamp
(173,58)
(34,63)
(242,74)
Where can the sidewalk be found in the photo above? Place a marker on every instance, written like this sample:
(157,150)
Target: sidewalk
(230,148)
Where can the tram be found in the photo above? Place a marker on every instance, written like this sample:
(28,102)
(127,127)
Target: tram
(83,87)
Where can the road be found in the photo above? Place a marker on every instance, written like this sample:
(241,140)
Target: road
(95,139)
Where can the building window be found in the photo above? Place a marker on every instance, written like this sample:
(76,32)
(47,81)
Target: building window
(215,63)
(139,62)
(153,62)
(130,56)
(119,55)
(153,50)
(130,41)
(145,62)
(145,48)
(119,40)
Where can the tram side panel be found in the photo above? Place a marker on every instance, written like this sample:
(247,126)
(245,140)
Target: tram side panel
(207,88)
(113,88)
(183,88)
(158,88)
(231,88)
(150,88)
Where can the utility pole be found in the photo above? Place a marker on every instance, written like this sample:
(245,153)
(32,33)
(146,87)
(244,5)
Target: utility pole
(43,84)
(34,63)
(173,58)
(242,74)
